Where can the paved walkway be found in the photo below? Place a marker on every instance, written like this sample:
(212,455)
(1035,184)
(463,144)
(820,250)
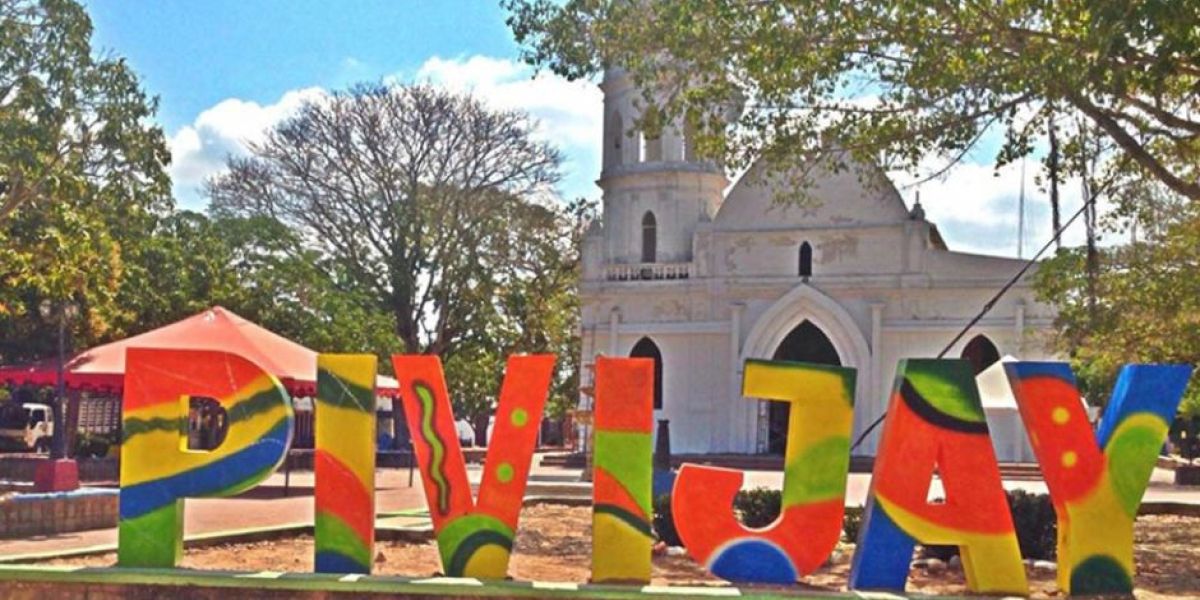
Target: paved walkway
(267,506)
(263,506)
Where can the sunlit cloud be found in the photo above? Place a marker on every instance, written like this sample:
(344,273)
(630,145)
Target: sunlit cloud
(568,115)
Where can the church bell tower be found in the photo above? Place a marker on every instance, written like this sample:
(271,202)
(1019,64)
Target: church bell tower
(656,191)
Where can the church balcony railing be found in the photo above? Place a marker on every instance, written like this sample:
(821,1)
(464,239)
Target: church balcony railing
(647,271)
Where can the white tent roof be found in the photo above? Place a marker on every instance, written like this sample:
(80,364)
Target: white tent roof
(994,390)
(996,394)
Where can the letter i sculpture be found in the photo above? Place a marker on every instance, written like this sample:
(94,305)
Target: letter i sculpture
(344,463)
(622,474)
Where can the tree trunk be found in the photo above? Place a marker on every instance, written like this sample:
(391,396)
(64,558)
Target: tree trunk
(480,425)
(1055,209)
(1093,256)
(72,420)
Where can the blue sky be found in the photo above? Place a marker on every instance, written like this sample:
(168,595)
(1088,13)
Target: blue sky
(224,71)
(196,54)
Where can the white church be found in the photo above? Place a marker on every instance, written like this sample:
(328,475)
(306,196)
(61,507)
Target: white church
(700,275)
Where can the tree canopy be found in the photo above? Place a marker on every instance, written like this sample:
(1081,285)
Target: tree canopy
(420,195)
(1142,305)
(72,123)
(896,82)
(82,170)
(437,212)
(252,267)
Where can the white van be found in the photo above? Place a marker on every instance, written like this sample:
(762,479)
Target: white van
(25,427)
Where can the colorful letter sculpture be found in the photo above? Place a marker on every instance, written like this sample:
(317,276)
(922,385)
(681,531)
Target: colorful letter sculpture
(1096,489)
(344,463)
(621,475)
(474,540)
(157,469)
(816,463)
(935,420)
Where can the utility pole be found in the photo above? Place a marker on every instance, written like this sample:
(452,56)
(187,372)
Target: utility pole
(59,473)
(1021,214)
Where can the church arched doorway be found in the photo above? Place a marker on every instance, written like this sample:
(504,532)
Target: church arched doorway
(805,343)
(646,348)
(981,353)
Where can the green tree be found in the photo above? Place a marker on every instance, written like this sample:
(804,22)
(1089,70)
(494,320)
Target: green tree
(435,210)
(537,311)
(250,266)
(897,82)
(82,174)
(414,192)
(1142,305)
(63,252)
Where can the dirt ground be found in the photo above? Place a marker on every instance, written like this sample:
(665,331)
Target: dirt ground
(554,544)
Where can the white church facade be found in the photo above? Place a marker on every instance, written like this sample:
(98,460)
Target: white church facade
(700,275)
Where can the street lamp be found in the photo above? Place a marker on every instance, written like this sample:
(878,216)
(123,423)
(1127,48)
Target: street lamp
(62,312)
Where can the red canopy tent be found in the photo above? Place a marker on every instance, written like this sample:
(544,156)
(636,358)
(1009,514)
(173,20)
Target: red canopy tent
(103,368)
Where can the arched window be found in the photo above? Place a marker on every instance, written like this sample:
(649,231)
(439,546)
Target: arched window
(616,134)
(649,238)
(646,348)
(689,141)
(805,260)
(981,352)
(652,149)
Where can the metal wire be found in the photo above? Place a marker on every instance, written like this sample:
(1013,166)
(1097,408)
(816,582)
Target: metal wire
(989,305)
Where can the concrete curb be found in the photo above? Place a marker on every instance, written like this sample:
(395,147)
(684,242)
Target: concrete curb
(66,582)
(237,536)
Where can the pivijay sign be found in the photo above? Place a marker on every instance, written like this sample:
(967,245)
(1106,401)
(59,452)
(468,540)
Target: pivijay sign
(936,424)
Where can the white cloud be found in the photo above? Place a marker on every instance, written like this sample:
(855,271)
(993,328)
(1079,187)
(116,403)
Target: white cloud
(568,115)
(976,207)
(569,112)
(199,150)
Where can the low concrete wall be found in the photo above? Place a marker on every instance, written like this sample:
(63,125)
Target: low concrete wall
(23,515)
(96,470)
(20,467)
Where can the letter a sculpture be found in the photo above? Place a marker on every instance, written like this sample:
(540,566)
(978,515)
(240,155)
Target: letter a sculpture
(936,421)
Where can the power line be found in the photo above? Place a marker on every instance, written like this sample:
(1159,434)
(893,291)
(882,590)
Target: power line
(990,304)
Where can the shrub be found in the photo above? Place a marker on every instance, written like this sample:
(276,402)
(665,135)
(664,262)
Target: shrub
(1037,526)
(92,445)
(1033,518)
(851,523)
(758,507)
(664,523)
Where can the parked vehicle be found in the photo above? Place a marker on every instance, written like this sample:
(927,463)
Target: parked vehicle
(26,426)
